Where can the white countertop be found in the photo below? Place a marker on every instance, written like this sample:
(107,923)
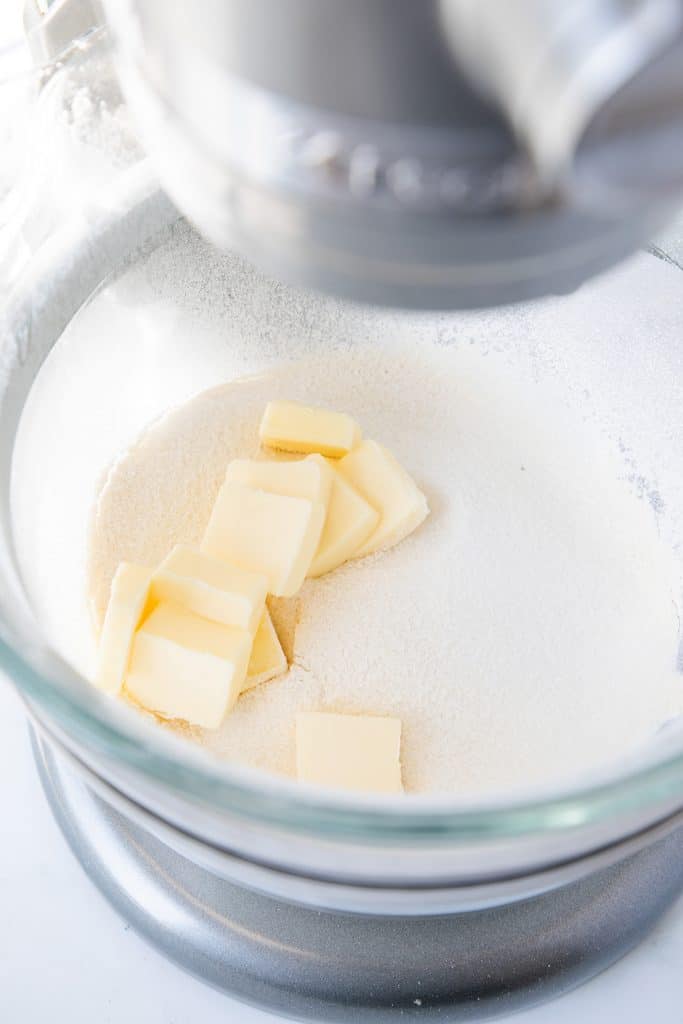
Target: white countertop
(61,946)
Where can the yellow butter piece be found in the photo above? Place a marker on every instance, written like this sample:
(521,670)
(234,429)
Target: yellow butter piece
(350,521)
(264,453)
(183,666)
(310,477)
(275,535)
(384,483)
(127,603)
(359,752)
(267,657)
(300,428)
(212,589)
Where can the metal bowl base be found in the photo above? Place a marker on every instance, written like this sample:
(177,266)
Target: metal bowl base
(309,964)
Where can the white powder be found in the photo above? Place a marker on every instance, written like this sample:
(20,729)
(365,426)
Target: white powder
(64,146)
(529,619)
(526,633)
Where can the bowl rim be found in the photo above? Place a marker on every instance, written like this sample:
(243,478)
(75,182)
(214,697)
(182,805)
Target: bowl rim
(108,729)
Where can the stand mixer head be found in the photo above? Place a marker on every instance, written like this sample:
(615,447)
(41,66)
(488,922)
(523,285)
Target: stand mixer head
(441,154)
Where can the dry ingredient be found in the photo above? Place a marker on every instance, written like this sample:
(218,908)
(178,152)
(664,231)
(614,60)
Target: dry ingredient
(538,606)
(181,640)
(515,629)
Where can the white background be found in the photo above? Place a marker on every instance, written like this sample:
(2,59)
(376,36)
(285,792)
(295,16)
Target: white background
(65,955)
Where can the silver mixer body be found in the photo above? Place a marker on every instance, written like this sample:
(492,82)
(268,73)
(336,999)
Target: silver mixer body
(231,924)
(434,154)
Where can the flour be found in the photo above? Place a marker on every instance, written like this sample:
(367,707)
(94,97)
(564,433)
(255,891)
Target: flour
(525,629)
(64,147)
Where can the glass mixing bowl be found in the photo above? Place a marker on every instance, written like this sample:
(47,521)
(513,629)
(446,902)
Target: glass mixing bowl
(614,346)
(617,342)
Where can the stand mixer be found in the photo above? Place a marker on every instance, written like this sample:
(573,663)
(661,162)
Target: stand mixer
(442,154)
(436,155)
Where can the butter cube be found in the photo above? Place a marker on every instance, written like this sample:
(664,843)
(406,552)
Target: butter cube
(127,603)
(383,482)
(211,589)
(306,478)
(265,454)
(350,521)
(359,752)
(267,657)
(293,427)
(275,535)
(183,666)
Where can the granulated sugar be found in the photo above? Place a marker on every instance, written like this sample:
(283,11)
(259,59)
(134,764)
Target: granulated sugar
(525,634)
(526,630)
